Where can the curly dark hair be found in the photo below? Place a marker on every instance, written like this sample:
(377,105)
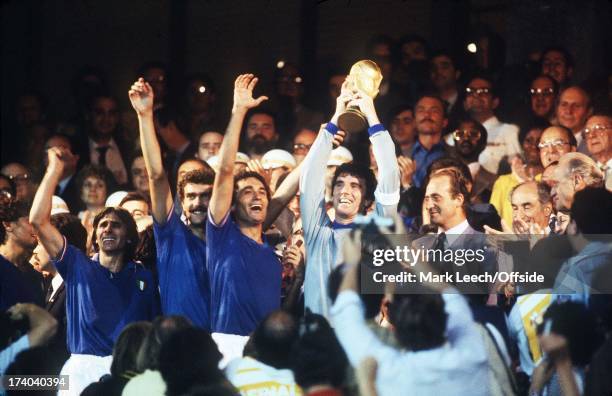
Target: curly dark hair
(197,176)
(365,175)
(11,210)
(131,242)
(246,175)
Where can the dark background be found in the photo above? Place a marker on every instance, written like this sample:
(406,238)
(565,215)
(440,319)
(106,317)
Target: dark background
(44,43)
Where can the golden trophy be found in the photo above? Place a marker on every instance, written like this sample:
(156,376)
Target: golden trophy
(366,76)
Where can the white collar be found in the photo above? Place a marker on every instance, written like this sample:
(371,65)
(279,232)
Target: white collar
(491,122)
(453,233)
(56,282)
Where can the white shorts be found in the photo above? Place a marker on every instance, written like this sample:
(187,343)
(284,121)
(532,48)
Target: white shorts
(82,370)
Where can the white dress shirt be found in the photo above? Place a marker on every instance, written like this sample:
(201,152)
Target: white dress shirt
(453,233)
(502,140)
(56,282)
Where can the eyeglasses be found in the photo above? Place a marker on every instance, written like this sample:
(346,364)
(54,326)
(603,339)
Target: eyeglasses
(286,79)
(477,91)
(20,178)
(301,147)
(542,91)
(466,133)
(595,130)
(556,144)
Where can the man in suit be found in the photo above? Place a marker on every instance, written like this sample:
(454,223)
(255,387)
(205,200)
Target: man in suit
(446,201)
(104,145)
(67,188)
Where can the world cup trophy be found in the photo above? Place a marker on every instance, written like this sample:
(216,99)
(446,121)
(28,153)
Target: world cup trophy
(366,76)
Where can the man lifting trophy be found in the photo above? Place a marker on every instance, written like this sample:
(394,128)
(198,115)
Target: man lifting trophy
(365,76)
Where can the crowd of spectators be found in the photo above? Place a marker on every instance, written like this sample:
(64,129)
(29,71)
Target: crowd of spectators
(151,251)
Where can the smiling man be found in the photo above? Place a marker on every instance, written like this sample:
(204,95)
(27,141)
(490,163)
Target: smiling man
(244,272)
(352,192)
(598,137)
(531,208)
(103,294)
(181,248)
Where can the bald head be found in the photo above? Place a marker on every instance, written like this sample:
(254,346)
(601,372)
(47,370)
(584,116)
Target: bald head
(574,108)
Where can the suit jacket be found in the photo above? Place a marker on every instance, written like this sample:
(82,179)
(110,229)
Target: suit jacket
(72,196)
(472,240)
(57,307)
(125,150)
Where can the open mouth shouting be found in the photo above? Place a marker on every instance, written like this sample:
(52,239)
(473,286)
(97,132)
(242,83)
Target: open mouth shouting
(109,241)
(256,207)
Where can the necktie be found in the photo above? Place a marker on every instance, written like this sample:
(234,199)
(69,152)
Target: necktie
(440,241)
(49,293)
(440,264)
(102,152)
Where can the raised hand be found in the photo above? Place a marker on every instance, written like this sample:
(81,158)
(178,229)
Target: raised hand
(243,93)
(407,168)
(57,160)
(141,96)
(255,166)
(366,105)
(338,139)
(342,101)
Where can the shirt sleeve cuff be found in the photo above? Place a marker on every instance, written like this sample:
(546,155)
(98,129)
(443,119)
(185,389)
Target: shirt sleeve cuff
(331,128)
(222,222)
(62,253)
(387,198)
(374,129)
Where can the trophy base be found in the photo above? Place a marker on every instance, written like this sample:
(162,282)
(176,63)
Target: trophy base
(352,120)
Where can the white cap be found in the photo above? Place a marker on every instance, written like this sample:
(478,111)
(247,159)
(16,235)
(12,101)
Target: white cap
(58,205)
(242,158)
(213,161)
(340,155)
(115,198)
(277,159)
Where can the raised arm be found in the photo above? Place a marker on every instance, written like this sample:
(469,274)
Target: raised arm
(312,177)
(40,214)
(283,194)
(387,192)
(141,95)
(221,199)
